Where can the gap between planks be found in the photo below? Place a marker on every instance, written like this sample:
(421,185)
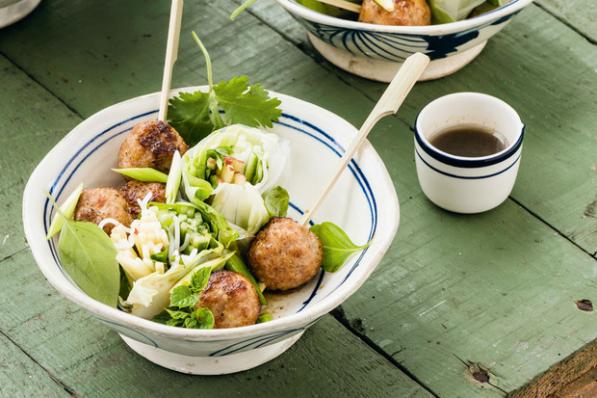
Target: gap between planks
(70,390)
(321,61)
(574,375)
(338,314)
(52,376)
(565,22)
(40,84)
(368,342)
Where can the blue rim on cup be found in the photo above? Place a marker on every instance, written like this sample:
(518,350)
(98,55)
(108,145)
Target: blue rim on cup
(467,184)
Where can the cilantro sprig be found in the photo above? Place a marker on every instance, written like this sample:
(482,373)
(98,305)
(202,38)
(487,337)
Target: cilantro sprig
(195,115)
(183,310)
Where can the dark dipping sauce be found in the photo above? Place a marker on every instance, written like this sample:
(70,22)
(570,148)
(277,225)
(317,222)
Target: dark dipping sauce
(468,141)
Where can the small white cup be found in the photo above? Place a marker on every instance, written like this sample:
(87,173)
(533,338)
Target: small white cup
(467,184)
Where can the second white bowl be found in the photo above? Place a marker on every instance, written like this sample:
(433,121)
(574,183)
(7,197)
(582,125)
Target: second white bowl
(377,51)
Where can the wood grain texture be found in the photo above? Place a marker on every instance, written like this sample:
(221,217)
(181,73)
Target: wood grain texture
(584,387)
(522,65)
(18,156)
(93,361)
(579,14)
(458,299)
(502,298)
(50,347)
(17,371)
(574,377)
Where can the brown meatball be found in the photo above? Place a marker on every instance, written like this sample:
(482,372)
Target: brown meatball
(285,254)
(406,12)
(151,143)
(133,191)
(232,299)
(95,204)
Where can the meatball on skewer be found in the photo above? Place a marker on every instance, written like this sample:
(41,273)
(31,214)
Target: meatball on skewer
(151,143)
(96,204)
(134,191)
(285,255)
(406,12)
(232,299)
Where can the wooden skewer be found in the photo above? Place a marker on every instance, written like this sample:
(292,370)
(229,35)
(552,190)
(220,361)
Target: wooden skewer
(171,55)
(388,104)
(343,4)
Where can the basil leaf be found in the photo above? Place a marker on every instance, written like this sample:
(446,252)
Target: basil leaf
(205,318)
(89,257)
(276,201)
(183,297)
(145,174)
(337,246)
(200,279)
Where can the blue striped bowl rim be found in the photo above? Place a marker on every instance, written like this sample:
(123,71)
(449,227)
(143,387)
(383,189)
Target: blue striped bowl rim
(115,317)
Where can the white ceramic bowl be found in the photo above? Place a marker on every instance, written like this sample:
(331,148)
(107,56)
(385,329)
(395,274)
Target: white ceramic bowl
(463,184)
(377,51)
(364,203)
(12,11)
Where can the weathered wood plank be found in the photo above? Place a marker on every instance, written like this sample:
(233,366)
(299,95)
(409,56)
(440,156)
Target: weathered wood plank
(20,376)
(521,65)
(563,194)
(93,361)
(17,156)
(78,352)
(584,387)
(579,14)
(575,377)
(502,297)
(505,251)
(559,177)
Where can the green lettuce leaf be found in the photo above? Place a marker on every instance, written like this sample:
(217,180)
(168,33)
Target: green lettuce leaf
(337,246)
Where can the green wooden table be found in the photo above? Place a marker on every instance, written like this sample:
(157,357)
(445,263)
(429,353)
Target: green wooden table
(461,306)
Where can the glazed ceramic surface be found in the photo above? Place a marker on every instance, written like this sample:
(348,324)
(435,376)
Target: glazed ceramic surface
(12,11)
(364,203)
(376,51)
(461,184)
